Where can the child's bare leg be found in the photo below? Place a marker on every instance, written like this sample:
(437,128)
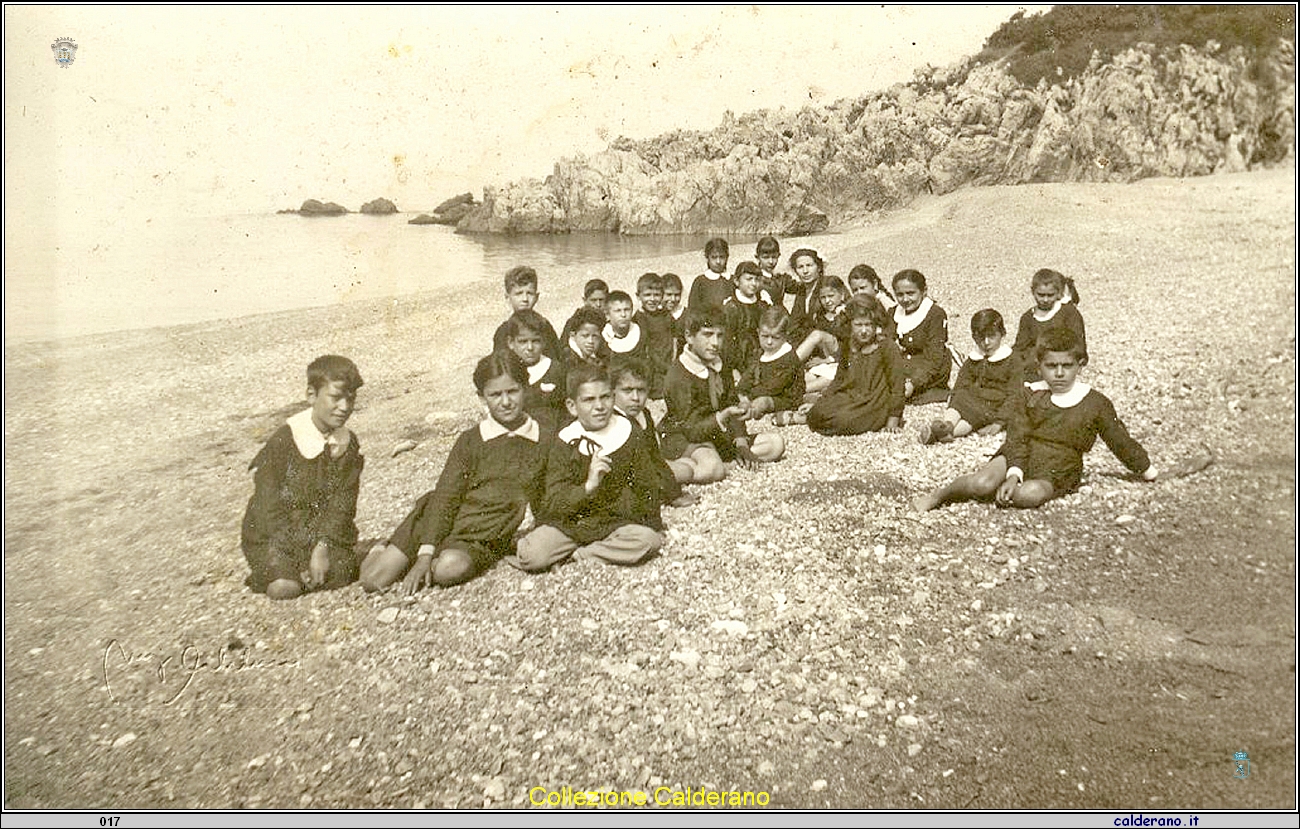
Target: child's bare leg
(978,485)
(709,468)
(683,470)
(382,566)
(808,346)
(760,406)
(283,589)
(453,567)
(768,446)
(816,383)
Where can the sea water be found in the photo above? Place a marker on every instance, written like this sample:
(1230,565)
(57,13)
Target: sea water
(181,269)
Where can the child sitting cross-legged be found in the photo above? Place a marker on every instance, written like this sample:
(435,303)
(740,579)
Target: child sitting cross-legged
(1053,422)
(602,485)
(300,529)
(468,522)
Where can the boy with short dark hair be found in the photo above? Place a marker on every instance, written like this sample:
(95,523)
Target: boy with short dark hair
(631,393)
(621,333)
(767,253)
(584,344)
(705,423)
(743,309)
(1054,421)
(602,485)
(299,528)
(657,328)
(673,305)
(544,396)
(522,295)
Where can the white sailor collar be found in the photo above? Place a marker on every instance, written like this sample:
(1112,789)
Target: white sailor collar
(713,275)
(573,346)
(1044,316)
(538,370)
(1001,353)
(692,363)
(609,440)
(905,322)
(737,296)
(1068,400)
(780,352)
(489,429)
(624,344)
(311,442)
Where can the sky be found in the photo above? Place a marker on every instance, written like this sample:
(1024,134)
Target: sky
(247,110)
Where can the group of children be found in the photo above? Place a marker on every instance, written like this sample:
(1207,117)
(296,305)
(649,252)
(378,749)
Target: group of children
(569,433)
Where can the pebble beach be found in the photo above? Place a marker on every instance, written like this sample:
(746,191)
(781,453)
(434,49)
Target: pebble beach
(802,634)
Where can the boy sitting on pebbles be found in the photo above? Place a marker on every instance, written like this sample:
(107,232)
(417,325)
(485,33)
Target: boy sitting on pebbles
(602,485)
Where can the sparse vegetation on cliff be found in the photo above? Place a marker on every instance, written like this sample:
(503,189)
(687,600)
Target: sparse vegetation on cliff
(1132,110)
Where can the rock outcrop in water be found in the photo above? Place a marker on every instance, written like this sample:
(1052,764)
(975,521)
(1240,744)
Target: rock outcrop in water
(450,212)
(379,207)
(1148,112)
(312,207)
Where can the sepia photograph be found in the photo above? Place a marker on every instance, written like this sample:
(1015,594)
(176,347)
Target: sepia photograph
(570,408)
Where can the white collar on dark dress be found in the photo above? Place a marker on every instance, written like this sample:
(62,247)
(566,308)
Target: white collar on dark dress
(624,344)
(905,322)
(1064,401)
(713,275)
(1003,351)
(311,442)
(778,354)
(489,429)
(692,363)
(538,370)
(1044,316)
(609,440)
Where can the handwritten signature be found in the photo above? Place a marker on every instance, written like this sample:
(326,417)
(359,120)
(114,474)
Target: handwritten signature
(163,677)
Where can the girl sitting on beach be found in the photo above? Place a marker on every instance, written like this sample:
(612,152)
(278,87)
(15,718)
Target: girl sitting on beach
(1056,305)
(1053,422)
(863,279)
(820,349)
(921,328)
(468,521)
(867,392)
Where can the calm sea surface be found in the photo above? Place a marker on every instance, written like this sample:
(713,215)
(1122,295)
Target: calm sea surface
(176,270)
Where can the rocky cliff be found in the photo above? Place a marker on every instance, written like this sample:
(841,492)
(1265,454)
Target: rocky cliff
(1181,111)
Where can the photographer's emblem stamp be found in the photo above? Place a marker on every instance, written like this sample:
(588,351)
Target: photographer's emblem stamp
(1242,763)
(65,51)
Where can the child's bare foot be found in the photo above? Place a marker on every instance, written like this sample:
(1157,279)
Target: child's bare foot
(925,503)
(686,499)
